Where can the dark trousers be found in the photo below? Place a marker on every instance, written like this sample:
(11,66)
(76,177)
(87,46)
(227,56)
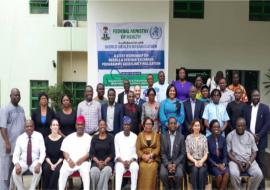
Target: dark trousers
(49,177)
(197,177)
(261,162)
(164,176)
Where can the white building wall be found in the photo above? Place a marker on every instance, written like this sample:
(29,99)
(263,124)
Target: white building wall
(224,39)
(29,43)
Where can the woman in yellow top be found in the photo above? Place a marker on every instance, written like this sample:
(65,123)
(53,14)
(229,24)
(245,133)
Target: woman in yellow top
(148,151)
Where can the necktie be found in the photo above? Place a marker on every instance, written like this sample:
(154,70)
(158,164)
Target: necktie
(29,152)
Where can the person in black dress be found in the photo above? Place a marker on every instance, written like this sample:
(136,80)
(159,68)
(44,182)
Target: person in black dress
(66,117)
(54,157)
(102,155)
(43,115)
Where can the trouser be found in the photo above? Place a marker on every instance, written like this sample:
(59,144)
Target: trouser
(254,171)
(5,173)
(197,177)
(17,178)
(66,171)
(100,178)
(164,176)
(261,162)
(120,170)
(50,177)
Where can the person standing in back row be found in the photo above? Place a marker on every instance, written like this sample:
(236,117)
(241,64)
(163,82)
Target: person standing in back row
(12,121)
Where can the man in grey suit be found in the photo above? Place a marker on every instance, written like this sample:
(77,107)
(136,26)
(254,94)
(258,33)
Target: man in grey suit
(173,153)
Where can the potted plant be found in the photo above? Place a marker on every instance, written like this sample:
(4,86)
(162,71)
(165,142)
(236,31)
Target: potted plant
(267,83)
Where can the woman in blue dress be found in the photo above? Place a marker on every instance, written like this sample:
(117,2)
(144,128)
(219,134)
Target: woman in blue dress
(217,157)
(171,107)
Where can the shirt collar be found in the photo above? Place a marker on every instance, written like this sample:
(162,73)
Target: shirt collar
(192,101)
(111,105)
(174,134)
(252,105)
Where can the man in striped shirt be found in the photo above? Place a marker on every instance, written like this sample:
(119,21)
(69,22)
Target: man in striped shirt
(91,110)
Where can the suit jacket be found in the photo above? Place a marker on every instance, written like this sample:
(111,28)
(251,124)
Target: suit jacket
(141,102)
(120,99)
(262,123)
(198,112)
(43,128)
(179,149)
(118,116)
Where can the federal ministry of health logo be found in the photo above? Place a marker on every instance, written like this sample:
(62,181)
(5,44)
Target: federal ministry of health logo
(155,32)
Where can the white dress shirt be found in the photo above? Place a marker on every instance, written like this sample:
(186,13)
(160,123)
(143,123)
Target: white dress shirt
(253,119)
(227,96)
(38,148)
(125,146)
(110,117)
(76,146)
(160,91)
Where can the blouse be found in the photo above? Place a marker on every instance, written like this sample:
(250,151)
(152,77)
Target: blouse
(53,151)
(67,122)
(198,148)
(171,108)
(153,113)
(102,148)
(182,89)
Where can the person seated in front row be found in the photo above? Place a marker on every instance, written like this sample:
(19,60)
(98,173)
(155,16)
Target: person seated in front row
(242,152)
(54,157)
(197,152)
(217,157)
(76,147)
(102,155)
(125,155)
(173,153)
(148,150)
(29,154)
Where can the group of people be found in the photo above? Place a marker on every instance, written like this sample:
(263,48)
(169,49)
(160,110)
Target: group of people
(168,130)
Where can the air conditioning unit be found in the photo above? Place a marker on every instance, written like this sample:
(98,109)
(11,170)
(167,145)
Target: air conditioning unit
(70,23)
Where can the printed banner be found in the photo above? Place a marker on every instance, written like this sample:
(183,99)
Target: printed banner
(129,51)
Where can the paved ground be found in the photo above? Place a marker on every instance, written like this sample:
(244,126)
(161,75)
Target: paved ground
(77,184)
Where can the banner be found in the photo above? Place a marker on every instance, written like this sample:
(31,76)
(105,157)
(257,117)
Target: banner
(129,51)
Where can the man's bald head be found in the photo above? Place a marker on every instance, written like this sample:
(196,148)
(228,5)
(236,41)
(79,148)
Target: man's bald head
(15,96)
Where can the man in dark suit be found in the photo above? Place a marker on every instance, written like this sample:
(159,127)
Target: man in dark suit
(138,100)
(193,110)
(173,153)
(258,123)
(112,113)
(122,97)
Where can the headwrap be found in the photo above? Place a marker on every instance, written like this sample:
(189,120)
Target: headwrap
(126,120)
(80,119)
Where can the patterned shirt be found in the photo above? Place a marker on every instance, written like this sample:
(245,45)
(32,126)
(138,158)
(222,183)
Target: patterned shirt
(198,148)
(92,113)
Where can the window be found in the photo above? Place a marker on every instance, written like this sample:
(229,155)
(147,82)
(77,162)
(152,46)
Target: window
(76,90)
(188,9)
(39,6)
(259,10)
(36,87)
(75,10)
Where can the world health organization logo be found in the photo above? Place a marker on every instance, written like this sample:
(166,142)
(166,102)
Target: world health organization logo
(155,32)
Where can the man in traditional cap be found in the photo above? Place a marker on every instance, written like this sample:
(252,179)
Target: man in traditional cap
(76,147)
(125,155)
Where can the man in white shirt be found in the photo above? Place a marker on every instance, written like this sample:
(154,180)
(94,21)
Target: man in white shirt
(76,147)
(29,154)
(125,155)
(161,87)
